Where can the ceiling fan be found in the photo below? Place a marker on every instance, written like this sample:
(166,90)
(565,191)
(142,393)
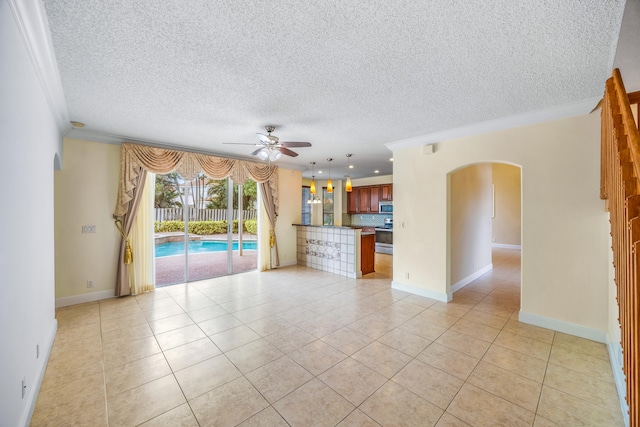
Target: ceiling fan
(270,146)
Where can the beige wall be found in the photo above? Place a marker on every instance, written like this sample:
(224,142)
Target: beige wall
(470,221)
(564,226)
(86,189)
(290,212)
(85,194)
(507,212)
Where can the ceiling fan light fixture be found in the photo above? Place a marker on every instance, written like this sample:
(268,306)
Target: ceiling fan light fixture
(274,155)
(263,154)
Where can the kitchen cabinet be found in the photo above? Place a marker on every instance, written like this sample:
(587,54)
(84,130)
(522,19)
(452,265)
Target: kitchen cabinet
(367,253)
(374,199)
(364,200)
(386,192)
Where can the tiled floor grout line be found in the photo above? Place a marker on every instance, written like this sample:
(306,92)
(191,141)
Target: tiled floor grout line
(495,292)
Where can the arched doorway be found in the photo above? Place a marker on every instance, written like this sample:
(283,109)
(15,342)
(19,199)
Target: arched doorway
(484,223)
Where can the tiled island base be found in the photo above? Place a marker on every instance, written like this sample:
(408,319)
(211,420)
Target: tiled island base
(332,249)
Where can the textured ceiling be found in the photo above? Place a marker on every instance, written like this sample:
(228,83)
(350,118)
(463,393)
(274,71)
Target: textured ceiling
(348,76)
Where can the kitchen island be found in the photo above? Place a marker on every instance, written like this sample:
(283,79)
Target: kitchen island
(335,249)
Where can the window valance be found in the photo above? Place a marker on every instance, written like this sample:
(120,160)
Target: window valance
(187,165)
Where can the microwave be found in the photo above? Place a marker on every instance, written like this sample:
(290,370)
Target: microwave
(386,207)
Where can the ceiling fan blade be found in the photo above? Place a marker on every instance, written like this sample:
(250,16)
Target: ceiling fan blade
(267,139)
(257,151)
(287,152)
(295,144)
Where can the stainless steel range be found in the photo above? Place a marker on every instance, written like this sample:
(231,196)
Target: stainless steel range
(384,237)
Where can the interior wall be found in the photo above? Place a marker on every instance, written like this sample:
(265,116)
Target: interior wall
(86,191)
(507,206)
(31,142)
(470,221)
(564,226)
(290,212)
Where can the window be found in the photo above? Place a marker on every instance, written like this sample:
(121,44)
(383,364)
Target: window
(306,207)
(327,207)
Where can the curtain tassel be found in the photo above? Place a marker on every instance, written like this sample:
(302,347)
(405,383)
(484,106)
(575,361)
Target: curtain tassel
(128,252)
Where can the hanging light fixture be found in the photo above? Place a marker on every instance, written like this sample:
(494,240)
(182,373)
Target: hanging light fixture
(348,187)
(270,153)
(329,183)
(312,190)
(312,196)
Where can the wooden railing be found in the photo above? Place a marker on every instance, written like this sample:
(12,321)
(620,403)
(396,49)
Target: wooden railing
(620,187)
(176,214)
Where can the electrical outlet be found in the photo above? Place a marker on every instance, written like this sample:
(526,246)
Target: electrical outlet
(89,283)
(88,229)
(24,386)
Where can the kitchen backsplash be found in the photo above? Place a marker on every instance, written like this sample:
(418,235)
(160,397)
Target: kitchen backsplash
(365,220)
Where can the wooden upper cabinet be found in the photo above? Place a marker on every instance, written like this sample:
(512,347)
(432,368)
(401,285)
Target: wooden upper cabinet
(386,192)
(366,199)
(352,202)
(374,199)
(365,195)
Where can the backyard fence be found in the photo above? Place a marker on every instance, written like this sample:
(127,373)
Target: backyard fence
(177,214)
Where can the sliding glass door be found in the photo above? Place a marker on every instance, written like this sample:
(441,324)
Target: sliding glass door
(208,228)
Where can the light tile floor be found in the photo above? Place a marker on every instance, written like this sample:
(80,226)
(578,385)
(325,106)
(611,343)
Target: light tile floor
(301,347)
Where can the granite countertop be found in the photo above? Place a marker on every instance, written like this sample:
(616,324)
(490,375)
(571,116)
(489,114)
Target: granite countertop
(324,226)
(365,230)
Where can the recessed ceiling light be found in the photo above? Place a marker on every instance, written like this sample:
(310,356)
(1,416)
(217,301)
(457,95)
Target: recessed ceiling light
(77,124)
(391,159)
(319,171)
(351,166)
(376,171)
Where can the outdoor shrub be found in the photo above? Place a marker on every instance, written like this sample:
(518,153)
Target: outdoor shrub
(251,225)
(205,227)
(170,226)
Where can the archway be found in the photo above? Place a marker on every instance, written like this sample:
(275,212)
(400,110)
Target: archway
(484,219)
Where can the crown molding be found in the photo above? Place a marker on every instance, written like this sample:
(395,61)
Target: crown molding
(81,134)
(533,117)
(31,19)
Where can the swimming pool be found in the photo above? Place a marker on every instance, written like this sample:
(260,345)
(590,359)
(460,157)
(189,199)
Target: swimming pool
(177,248)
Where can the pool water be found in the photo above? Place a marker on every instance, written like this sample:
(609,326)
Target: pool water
(177,248)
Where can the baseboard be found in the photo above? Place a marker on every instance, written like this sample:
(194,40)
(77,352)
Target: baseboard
(615,358)
(288,263)
(80,299)
(470,278)
(564,327)
(505,246)
(421,291)
(39,375)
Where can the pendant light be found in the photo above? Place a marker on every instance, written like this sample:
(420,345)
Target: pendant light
(329,183)
(312,190)
(312,197)
(348,187)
